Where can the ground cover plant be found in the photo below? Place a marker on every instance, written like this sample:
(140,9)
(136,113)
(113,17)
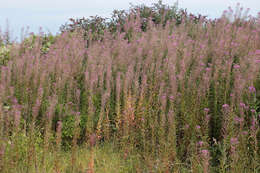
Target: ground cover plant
(148,93)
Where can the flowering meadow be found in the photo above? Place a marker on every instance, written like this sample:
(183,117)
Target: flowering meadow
(178,96)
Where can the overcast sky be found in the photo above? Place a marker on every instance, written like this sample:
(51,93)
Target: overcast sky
(51,14)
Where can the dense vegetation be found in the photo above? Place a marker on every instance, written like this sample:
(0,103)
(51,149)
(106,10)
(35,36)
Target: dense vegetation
(154,89)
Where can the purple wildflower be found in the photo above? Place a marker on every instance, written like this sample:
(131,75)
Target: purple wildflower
(92,139)
(171,97)
(205,153)
(207,118)
(252,89)
(206,110)
(234,141)
(253,124)
(244,132)
(242,105)
(200,143)
(257,52)
(2,151)
(225,106)
(253,110)
(236,66)
(238,119)
(17,117)
(208,69)
(197,127)
(15,101)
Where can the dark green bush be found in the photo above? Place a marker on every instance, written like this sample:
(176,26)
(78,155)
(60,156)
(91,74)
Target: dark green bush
(159,13)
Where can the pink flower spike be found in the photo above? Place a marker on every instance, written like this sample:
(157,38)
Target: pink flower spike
(242,105)
(205,153)
(200,143)
(236,66)
(244,132)
(2,151)
(197,127)
(208,69)
(238,119)
(77,113)
(206,110)
(225,106)
(15,101)
(257,52)
(252,89)
(234,141)
(253,110)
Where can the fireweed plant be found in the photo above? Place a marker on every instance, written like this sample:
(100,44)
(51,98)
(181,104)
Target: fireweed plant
(175,98)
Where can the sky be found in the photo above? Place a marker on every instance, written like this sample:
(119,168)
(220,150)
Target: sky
(51,14)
